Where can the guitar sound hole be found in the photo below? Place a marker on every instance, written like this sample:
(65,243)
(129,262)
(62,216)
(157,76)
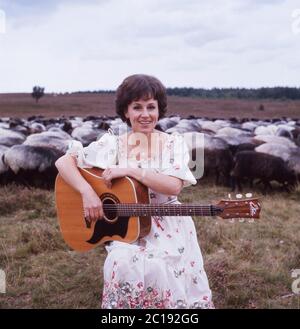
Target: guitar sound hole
(110,212)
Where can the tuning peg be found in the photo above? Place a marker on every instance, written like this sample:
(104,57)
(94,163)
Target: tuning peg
(241,220)
(248,195)
(239,196)
(229,196)
(232,220)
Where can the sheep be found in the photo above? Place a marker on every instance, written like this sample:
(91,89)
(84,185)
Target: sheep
(234,141)
(293,162)
(19,126)
(33,165)
(86,133)
(185,125)
(242,147)
(296,135)
(6,174)
(59,132)
(209,125)
(217,156)
(118,126)
(283,132)
(76,122)
(266,167)
(219,161)
(232,132)
(249,126)
(281,151)
(222,123)
(36,127)
(234,136)
(275,139)
(266,130)
(57,139)
(166,123)
(3,166)
(10,138)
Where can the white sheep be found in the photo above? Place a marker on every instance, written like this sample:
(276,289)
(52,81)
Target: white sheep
(275,139)
(56,139)
(29,157)
(10,138)
(266,130)
(280,150)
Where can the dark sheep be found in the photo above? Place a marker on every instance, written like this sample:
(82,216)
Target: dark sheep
(242,147)
(219,163)
(265,167)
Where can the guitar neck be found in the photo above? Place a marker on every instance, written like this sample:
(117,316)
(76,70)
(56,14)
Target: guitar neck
(129,209)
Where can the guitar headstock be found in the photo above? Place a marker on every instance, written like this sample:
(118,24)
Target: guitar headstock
(240,207)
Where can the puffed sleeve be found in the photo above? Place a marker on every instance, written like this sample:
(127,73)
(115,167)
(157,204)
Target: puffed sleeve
(177,159)
(101,153)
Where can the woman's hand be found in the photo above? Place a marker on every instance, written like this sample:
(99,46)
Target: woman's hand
(92,205)
(110,173)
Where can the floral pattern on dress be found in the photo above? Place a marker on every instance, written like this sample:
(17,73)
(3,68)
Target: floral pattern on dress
(128,295)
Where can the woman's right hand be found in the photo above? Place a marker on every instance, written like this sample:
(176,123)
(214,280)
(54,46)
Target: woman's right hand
(92,205)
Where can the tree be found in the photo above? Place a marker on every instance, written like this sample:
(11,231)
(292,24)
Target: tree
(37,93)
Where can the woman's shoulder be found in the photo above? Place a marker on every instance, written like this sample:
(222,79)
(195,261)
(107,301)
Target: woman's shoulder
(108,136)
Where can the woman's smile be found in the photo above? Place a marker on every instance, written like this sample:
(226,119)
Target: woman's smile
(143,114)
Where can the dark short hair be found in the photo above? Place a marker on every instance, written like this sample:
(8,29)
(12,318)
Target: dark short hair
(140,86)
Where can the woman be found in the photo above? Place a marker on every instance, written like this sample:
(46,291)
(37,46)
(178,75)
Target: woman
(165,268)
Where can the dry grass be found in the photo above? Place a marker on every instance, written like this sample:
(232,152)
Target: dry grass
(23,105)
(248,264)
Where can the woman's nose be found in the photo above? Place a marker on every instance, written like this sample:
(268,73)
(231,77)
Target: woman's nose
(145,112)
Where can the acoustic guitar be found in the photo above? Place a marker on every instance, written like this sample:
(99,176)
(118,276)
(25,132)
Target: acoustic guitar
(127,211)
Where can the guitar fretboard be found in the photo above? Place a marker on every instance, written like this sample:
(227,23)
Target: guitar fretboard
(128,209)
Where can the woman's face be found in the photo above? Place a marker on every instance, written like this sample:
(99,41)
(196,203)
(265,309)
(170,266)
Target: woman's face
(143,115)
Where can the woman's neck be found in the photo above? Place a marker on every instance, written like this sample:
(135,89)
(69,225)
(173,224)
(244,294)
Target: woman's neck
(146,147)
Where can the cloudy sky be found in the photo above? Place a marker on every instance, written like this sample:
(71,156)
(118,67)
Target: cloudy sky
(72,45)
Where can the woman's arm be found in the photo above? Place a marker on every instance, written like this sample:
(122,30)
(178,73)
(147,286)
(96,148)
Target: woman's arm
(68,170)
(159,183)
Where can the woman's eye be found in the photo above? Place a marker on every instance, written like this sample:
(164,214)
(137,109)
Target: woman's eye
(140,108)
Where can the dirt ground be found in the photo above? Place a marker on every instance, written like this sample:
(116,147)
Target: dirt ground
(84,104)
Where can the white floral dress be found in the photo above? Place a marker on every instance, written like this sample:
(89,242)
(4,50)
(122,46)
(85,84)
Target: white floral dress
(165,268)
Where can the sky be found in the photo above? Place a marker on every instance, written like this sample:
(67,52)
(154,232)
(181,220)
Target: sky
(79,45)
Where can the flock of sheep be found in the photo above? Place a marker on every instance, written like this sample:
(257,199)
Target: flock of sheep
(235,151)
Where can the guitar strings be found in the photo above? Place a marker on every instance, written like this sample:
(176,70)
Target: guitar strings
(158,209)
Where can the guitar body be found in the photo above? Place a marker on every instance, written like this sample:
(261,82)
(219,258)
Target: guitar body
(81,235)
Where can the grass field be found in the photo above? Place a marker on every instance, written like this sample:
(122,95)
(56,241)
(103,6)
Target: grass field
(83,104)
(248,264)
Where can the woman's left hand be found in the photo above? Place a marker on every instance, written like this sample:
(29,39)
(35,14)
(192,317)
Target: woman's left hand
(110,173)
